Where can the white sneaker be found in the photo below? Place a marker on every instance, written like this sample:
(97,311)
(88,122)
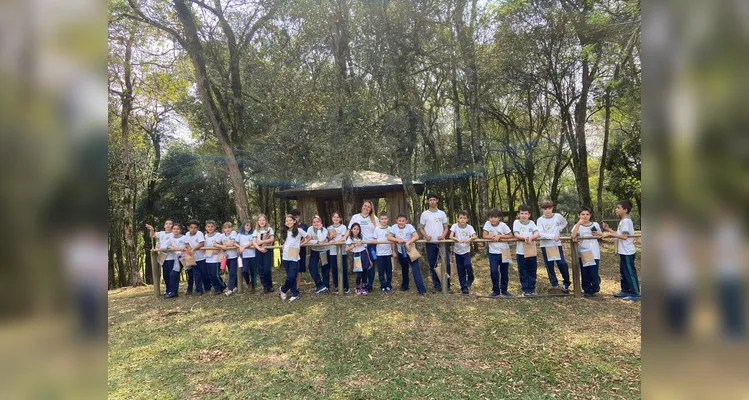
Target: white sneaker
(228,293)
(283,295)
(293,298)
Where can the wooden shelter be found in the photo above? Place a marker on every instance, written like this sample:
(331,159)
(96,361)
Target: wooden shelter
(346,193)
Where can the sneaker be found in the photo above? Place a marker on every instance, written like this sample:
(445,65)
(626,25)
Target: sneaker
(404,289)
(346,291)
(364,292)
(335,289)
(283,295)
(199,293)
(555,287)
(218,293)
(621,294)
(529,294)
(566,288)
(507,294)
(229,293)
(321,290)
(171,295)
(589,295)
(358,292)
(188,293)
(465,292)
(293,298)
(493,294)
(631,298)
(422,294)
(388,289)
(383,290)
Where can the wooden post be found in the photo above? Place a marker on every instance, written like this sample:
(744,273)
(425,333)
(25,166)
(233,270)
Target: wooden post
(575,269)
(240,290)
(443,259)
(156,272)
(340,268)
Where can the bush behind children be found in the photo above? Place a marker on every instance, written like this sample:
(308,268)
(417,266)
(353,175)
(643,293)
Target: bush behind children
(376,245)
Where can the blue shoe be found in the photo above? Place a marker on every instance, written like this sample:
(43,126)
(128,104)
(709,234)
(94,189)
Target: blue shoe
(621,294)
(631,298)
(493,294)
(507,294)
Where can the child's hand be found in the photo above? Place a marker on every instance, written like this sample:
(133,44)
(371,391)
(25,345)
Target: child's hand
(605,234)
(427,238)
(528,239)
(556,238)
(149,227)
(605,226)
(441,237)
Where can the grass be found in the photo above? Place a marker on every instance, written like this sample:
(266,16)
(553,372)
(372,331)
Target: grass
(379,346)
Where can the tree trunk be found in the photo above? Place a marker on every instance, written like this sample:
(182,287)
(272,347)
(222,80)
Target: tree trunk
(601,169)
(111,282)
(122,274)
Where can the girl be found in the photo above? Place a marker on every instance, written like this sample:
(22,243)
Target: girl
(295,238)
(247,249)
(367,221)
(212,261)
(263,236)
(175,246)
(338,234)
(227,243)
(585,229)
(355,243)
(318,234)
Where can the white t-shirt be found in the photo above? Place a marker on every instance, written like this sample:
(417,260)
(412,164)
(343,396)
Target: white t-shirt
(292,243)
(340,232)
(433,223)
(592,244)
(210,240)
(367,228)
(319,236)
(245,240)
(226,240)
(523,229)
(163,239)
(462,233)
(360,246)
(550,227)
(626,247)
(381,235)
(500,229)
(195,240)
(262,234)
(404,233)
(175,242)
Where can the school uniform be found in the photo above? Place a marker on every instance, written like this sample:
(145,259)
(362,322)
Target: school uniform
(212,262)
(263,260)
(340,232)
(626,250)
(498,268)
(527,266)
(384,258)
(589,273)
(433,223)
(315,257)
(175,266)
(291,264)
(548,228)
(164,239)
(360,253)
(232,263)
(463,255)
(248,259)
(405,233)
(367,233)
(198,272)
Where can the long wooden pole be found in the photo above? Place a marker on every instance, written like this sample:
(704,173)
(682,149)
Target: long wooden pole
(155,273)
(340,268)
(575,270)
(442,261)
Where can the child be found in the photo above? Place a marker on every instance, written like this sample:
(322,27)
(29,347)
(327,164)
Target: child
(405,235)
(626,250)
(196,240)
(549,226)
(462,233)
(303,252)
(338,236)
(211,261)
(496,230)
(247,248)
(176,245)
(228,244)
(585,229)
(355,244)
(162,241)
(318,234)
(526,232)
(384,255)
(263,236)
(295,238)
(433,226)
(367,221)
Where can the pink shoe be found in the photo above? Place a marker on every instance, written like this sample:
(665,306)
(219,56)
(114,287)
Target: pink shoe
(358,292)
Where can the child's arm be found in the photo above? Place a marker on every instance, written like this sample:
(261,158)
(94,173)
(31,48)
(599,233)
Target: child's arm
(392,238)
(614,234)
(151,231)
(444,232)
(414,238)
(424,234)
(488,236)
(452,237)
(575,229)
(305,240)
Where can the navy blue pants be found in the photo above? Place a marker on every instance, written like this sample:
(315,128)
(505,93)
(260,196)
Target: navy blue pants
(249,268)
(263,261)
(527,270)
(366,266)
(166,269)
(334,267)
(628,272)
(314,259)
(561,264)
(499,272)
(190,279)
(369,274)
(216,281)
(385,271)
(202,279)
(232,264)
(433,254)
(174,277)
(591,278)
(292,270)
(405,262)
(302,260)
(465,270)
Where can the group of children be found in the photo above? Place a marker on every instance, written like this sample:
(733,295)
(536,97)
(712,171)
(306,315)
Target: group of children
(373,242)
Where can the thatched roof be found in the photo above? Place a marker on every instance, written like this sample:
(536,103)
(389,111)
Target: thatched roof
(367,183)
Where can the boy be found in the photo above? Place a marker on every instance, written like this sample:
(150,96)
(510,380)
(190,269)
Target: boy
(626,250)
(162,240)
(303,251)
(462,233)
(526,232)
(212,262)
(433,227)
(549,226)
(585,229)
(405,236)
(496,230)
(196,240)
(384,255)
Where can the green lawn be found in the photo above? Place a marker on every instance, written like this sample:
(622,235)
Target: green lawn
(384,346)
